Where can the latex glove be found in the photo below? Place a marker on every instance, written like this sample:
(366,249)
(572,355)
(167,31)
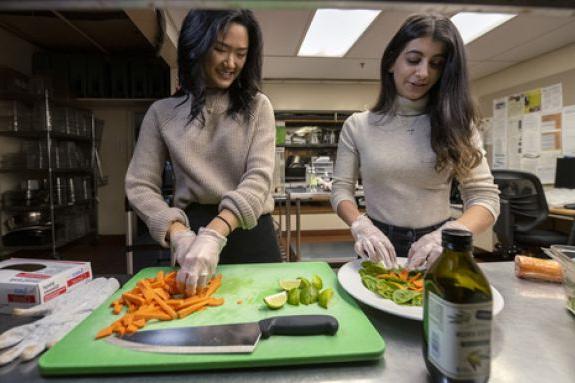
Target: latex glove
(180,244)
(199,263)
(62,315)
(371,242)
(428,248)
(325,185)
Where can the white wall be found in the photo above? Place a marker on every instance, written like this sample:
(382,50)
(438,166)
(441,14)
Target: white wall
(548,69)
(321,96)
(116,152)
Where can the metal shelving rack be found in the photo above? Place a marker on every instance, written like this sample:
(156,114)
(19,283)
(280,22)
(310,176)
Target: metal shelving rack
(48,135)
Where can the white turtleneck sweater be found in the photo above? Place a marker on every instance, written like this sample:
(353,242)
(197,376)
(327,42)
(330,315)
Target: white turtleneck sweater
(219,161)
(393,155)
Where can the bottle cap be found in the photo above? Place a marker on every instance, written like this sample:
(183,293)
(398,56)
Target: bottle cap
(457,240)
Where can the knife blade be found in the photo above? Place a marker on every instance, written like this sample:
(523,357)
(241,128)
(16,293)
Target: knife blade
(226,338)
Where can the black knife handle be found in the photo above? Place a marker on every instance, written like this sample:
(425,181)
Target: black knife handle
(299,325)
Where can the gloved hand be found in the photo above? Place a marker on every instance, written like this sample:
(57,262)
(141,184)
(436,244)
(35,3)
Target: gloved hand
(61,315)
(199,263)
(180,244)
(371,242)
(428,248)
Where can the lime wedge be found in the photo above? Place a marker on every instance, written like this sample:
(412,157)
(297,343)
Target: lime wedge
(317,282)
(293,297)
(308,295)
(304,282)
(289,284)
(325,297)
(276,301)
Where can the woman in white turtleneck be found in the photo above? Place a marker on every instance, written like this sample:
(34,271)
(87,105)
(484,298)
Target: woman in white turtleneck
(410,146)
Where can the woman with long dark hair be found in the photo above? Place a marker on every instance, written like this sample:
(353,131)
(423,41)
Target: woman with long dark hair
(218,130)
(419,136)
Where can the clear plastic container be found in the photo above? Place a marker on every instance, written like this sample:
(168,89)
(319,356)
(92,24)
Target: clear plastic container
(565,255)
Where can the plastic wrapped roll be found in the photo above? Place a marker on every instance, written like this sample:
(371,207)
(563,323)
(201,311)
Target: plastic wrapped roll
(536,268)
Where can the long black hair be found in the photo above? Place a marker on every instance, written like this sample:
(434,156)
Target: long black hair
(451,109)
(198,34)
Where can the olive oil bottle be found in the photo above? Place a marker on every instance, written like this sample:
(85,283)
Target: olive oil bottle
(457,312)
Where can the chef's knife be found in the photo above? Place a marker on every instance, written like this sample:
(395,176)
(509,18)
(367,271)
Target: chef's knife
(227,338)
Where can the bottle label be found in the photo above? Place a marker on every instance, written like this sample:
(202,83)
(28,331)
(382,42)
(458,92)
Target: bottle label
(459,337)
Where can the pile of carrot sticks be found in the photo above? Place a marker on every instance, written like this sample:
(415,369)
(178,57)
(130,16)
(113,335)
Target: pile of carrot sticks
(158,298)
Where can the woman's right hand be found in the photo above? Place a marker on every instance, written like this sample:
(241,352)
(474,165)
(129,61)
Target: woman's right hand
(180,244)
(199,264)
(371,242)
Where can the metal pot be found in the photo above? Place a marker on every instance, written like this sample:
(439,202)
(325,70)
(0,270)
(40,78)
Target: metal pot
(30,218)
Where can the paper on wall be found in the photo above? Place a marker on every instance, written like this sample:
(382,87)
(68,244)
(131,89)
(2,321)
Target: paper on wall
(568,124)
(532,101)
(531,136)
(529,163)
(514,144)
(546,166)
(499,133)
(552,98)
(515,106)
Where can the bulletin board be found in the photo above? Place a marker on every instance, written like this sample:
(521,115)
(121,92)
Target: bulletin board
(530,130)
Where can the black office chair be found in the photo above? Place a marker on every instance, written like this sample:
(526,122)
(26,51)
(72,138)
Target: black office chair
(523,209)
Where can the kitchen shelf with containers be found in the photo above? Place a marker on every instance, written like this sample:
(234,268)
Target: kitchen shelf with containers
(47,160)
(305,138)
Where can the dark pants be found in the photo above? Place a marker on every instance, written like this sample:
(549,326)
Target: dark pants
(402,237)
(258,245)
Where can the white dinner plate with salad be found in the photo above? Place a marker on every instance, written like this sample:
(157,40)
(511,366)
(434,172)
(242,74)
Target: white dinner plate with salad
(350,280)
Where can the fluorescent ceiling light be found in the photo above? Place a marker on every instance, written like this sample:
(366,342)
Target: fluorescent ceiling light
(334,31)
(472,25)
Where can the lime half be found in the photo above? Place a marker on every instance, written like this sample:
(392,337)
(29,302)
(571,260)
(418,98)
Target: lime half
(289,284)
(276,301)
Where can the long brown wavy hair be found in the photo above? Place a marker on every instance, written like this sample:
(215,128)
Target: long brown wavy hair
(452,112)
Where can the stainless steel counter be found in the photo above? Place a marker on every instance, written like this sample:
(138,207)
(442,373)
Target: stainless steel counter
(533,341)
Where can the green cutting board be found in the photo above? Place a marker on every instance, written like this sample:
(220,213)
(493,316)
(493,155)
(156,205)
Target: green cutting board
(243,289)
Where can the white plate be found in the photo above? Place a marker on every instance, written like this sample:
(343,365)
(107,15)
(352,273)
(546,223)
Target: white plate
(350,280)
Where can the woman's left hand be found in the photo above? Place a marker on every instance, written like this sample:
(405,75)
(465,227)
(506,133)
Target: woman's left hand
(428,248)
(199,264)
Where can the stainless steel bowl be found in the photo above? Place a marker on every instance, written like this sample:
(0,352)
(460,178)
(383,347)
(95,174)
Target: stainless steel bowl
(26,219)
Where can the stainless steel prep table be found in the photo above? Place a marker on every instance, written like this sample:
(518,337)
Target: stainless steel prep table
(533,341)
(298,196)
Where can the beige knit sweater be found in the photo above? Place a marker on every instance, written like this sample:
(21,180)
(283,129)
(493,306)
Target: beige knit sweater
(393,155)
(218,161)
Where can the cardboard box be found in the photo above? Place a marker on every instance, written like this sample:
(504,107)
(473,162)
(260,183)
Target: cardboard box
(28,282)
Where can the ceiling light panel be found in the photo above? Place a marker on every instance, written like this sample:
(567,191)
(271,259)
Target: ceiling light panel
(472,25)
(333,32)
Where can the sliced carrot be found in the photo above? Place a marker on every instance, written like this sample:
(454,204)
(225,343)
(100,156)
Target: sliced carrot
(117,309)
(214,284)
(104,332)
(417,283)
(404,275)
(215,302)
(134,299)
(182,313)
(157,298)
